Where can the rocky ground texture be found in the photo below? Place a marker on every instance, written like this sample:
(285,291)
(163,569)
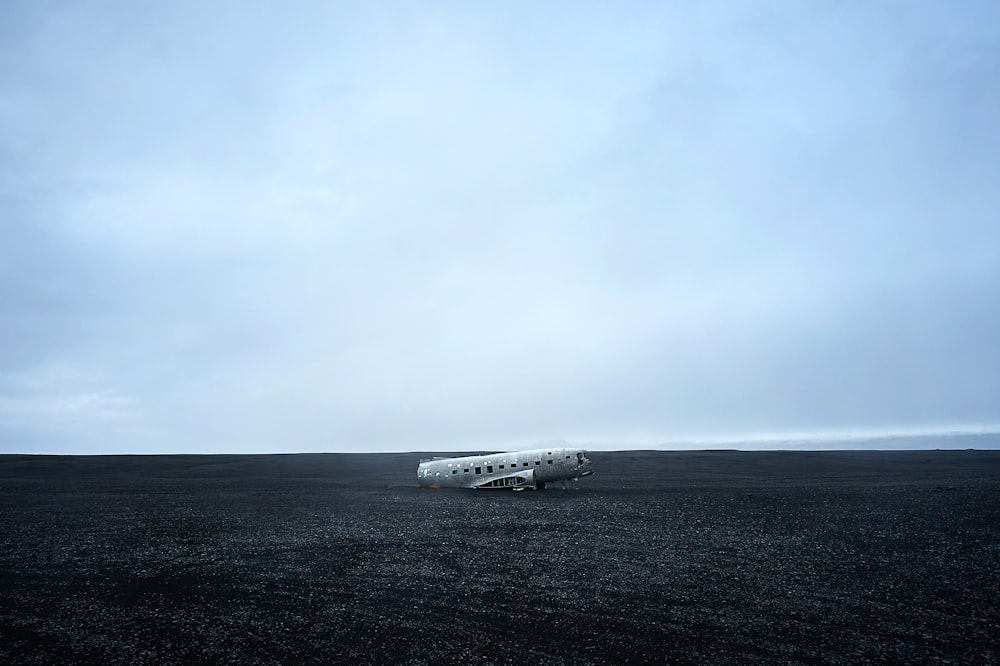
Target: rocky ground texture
(660,557)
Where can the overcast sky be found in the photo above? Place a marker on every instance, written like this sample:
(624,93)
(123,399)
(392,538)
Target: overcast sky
(319,226)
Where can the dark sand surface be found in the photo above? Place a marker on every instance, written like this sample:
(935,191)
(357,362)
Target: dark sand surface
(661,557)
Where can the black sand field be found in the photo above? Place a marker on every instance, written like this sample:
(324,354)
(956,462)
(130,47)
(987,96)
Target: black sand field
(692,557)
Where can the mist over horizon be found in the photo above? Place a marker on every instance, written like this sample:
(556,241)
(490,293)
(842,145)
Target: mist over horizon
(437,226)
(937,441)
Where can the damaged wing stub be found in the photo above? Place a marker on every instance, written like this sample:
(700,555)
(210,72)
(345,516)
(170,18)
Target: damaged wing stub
(515,470)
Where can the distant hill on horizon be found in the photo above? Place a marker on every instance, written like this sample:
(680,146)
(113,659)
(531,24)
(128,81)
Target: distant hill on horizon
(889,442)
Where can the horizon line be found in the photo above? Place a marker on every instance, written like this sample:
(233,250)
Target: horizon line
(847,441)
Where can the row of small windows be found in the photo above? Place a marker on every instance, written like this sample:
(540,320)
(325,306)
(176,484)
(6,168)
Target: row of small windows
(489,468)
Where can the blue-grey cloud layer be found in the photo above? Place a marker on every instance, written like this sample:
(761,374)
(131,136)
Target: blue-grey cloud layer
(383,226)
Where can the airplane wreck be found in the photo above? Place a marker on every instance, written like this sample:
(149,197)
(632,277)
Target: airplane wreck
(515,470)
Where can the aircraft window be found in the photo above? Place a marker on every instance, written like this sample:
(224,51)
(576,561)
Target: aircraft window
(567,457)
(538,462)
(550,462)
(525,464)
(489,468)
(454,471)
(501,466)
(466,471)
(479,470)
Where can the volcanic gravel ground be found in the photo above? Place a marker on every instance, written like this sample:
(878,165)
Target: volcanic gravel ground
(660,557)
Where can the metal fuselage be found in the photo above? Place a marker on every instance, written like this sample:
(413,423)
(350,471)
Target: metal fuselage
(515,470)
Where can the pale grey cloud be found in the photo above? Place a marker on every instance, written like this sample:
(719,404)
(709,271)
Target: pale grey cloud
(399,226)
